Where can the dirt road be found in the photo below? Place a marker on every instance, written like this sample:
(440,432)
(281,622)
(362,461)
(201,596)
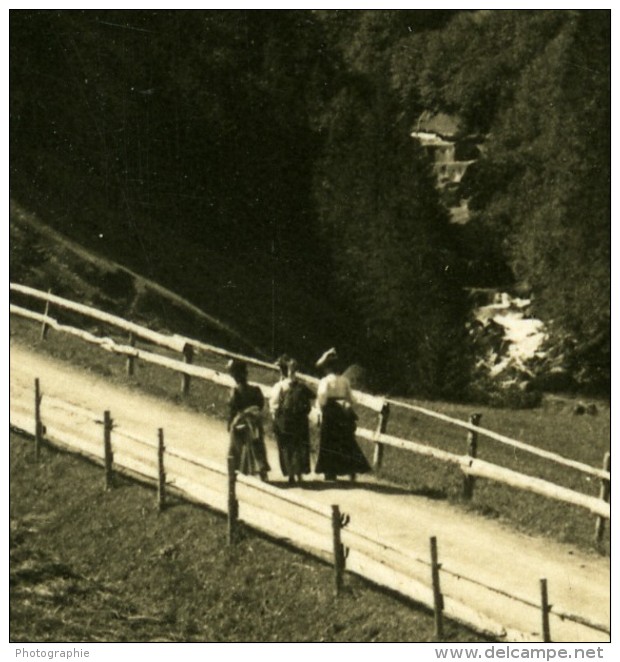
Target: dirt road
(469,545)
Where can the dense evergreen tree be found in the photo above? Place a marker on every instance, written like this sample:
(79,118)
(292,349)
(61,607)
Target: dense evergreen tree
(559,130)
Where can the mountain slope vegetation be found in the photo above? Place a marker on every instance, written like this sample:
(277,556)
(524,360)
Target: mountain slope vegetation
(45,259)
(260,165)
(537,85)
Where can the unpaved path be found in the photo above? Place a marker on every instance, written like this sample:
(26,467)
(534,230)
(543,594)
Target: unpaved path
(469,545)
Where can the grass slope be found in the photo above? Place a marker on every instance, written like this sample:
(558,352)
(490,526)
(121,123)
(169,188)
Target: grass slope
(90,565)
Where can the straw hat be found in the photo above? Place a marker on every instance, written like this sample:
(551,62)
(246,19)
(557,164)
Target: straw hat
(330,357)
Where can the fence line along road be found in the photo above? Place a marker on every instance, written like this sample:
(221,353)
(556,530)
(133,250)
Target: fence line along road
(534,450)
(177,343)
(113,320)
(469,465)
(374,565)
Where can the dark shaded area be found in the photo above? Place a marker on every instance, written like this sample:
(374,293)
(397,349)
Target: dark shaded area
(178,144)
(259,164)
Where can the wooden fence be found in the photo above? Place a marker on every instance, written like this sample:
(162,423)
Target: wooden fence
(470,465)
(325,532)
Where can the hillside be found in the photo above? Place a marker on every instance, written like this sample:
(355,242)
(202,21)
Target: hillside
(260,164)
(45,259)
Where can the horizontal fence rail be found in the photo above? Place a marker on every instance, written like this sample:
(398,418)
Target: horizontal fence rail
(480,468)
(366,555)
(534,450)
(469,465)
(163,340)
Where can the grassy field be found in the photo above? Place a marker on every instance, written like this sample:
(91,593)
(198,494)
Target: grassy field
(552,427)
(88,565)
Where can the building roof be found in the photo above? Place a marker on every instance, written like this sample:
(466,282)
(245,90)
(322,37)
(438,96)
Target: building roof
(428,139)
(444,125)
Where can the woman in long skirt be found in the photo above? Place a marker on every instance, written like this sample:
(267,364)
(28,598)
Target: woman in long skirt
(247,438)
(290,404)
(339,453)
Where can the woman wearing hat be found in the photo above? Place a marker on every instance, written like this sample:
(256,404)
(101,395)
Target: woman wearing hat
(339,453)
(247,439)
(290,404)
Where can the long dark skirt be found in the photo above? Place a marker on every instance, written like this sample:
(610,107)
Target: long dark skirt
(247,446)
(294,451)
(338,451)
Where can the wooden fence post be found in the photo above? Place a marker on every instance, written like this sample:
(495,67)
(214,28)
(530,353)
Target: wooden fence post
(437,597)
(161,474)
(604,494)
(188,357)
(233,504)
(44,326)
(384,415)
(108,456)
(38,426)
(545,607)
(472,451)
(131,359)
(339,521)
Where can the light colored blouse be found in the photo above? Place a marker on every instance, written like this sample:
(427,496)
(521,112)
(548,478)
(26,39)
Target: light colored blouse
(334,387)
(277,390)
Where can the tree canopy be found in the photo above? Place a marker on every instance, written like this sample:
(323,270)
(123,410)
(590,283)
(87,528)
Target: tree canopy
(260,163)
(537,85)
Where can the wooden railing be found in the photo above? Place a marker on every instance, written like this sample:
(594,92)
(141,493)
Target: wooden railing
(469,464)
(325,532)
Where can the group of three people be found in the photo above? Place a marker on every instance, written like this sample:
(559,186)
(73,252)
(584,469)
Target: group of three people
(290,404)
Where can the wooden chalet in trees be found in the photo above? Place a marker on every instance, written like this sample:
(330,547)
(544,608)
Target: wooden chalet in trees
(451,152)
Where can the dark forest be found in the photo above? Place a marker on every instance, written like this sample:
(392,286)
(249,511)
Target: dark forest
(260,164)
